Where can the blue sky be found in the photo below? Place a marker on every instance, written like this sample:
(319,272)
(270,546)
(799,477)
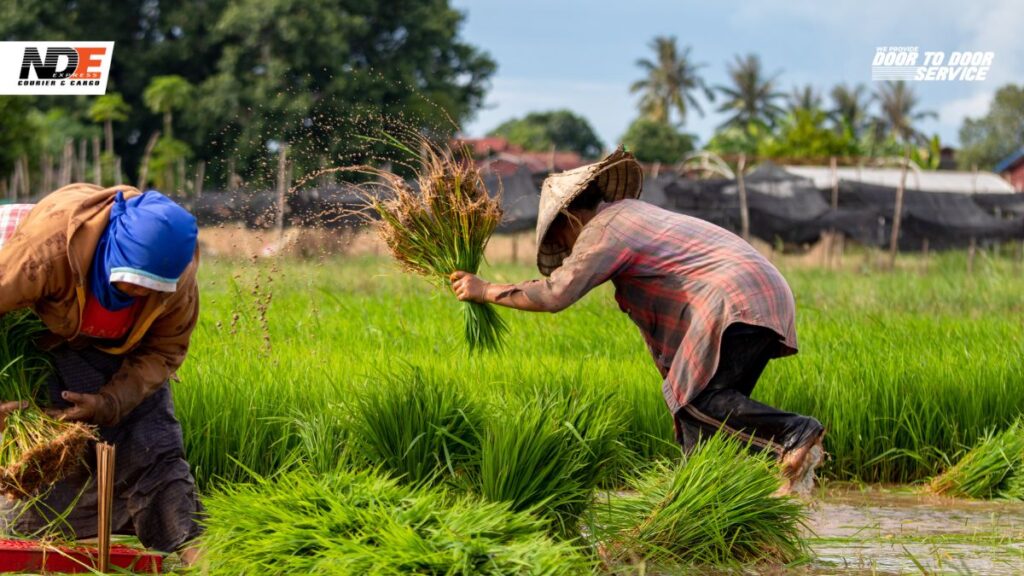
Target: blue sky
(581,55)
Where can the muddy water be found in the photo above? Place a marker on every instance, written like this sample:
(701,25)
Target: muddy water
(904,531)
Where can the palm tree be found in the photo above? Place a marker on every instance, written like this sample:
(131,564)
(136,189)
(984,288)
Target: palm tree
(166,94)
(850,107)
(108,109)
(805,98)
(897,103)
(670,82)
(752,97)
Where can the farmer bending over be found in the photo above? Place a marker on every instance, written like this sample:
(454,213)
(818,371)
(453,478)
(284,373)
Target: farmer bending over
(112,274)
(712,310)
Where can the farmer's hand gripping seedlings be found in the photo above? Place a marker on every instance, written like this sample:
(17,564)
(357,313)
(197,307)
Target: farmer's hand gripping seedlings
(111,274)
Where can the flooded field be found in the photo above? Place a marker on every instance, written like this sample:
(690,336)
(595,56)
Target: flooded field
(872,530)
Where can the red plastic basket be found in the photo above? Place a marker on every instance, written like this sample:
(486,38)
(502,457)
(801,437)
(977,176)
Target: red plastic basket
(31,556)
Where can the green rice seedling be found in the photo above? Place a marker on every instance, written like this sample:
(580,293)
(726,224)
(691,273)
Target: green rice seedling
(549,455)
(24,368)
(715,508)
(363,522)
(986,469)
(417,428)
(1014,489)
(443,227)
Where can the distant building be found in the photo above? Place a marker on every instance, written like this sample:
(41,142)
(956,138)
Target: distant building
(496,154)
(1012,168)
(925,180)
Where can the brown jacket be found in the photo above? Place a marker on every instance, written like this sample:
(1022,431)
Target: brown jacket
(45,266)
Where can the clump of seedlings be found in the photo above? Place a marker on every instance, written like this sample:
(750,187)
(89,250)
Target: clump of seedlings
(363,522)
(989,469)
(716,508)
(36,449)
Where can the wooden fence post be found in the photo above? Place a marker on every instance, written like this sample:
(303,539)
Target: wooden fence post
(200,176)
(282,188)
(897,213)
(97,161)
(744,209)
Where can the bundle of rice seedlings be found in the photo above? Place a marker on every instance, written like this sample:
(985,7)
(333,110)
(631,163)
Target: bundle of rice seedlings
(987,468)
(548,456)
(36,450)
(362,522)
(441,228)
(716,508)
(417,428)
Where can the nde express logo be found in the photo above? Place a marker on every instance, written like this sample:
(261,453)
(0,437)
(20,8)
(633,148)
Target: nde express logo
(42,68)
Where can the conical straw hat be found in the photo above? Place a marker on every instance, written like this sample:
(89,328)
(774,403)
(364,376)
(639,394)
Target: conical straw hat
(618,176)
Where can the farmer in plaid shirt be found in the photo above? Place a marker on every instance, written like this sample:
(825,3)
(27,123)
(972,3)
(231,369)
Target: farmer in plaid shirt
(712,310)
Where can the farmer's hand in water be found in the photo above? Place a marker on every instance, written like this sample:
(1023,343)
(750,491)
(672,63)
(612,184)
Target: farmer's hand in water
(8,407)
(90,408)
(469,287)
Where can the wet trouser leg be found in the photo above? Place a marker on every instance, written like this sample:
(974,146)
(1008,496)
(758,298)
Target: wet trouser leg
(725,403)
(155,496)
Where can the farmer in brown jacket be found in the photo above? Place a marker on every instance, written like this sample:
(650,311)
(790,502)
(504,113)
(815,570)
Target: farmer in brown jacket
(112,274)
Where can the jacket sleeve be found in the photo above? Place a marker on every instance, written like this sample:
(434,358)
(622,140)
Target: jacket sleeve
(31,269)
(159,354)
(598,255)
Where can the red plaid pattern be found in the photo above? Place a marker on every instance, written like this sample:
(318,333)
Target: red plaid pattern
(10,216)
(682,281)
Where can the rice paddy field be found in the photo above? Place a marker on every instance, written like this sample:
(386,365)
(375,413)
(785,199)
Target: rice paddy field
(305,376)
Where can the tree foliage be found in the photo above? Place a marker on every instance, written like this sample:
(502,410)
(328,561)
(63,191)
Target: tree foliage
(653,141)
(270,70)
(669,83)
(562,129)
(988,139)
(753,96)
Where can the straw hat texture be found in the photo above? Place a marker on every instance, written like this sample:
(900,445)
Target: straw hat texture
(618,176)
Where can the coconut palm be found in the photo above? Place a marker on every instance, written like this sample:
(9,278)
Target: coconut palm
(670,82)
(166,94)
(752,96)
(805,98)
(850,107)
(108,109)
(898,106)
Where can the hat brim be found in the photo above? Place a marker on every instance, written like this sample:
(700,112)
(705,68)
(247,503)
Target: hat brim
(618,176)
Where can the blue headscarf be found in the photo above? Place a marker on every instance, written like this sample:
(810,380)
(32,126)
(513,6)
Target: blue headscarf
(149,242)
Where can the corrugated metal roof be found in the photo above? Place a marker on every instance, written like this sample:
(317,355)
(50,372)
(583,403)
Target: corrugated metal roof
(925,180)
(1008,162)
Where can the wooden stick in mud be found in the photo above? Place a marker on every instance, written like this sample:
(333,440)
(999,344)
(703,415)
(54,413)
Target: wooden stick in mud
(105,498)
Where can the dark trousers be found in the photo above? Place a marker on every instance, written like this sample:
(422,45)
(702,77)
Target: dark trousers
(725,403)
(154,493)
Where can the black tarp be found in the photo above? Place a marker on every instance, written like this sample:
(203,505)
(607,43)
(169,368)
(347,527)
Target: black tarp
(519,199)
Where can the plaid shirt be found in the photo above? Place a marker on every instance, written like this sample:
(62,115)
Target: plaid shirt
(682,281)
(10,216)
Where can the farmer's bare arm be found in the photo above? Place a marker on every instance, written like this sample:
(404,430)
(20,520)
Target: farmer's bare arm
(472,288)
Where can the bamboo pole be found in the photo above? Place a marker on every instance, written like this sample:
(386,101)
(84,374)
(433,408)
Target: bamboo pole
(282,188)
(832,240)
(744,209)
(200,176)
(105,500)
(897,215)
(97,161)
(144,166)
(47,173)
(80,161)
